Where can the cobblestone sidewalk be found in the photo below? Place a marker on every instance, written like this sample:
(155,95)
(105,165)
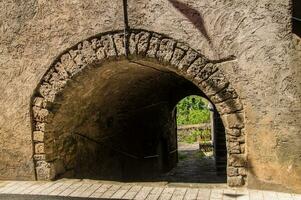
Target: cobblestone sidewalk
(96,189)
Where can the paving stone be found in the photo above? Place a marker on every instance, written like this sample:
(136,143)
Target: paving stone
(101,190)
(167,193)
(204,194)
(179,193)
(71,188)
(191,193)
(90,190)
(154,194)
(110,191)
(60,189)
(121,192)
(216,194)
(143,193)
(81,189)
(132,192)
(48,190)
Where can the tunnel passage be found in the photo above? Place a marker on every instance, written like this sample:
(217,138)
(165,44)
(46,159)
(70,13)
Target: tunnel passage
(94,101)
(118,122)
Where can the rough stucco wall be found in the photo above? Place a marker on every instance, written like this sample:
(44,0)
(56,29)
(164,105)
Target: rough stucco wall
(258,34)
(32,34)
(267,76)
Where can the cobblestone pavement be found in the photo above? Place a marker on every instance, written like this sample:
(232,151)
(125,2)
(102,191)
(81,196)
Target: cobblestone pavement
(116,190)
(193,167)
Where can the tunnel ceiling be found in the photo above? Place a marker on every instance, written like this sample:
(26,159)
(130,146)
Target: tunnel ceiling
(102,94)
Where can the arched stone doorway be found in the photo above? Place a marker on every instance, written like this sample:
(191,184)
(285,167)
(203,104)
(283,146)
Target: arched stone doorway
(67,102)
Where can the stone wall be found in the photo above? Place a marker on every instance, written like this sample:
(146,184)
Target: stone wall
(256,35)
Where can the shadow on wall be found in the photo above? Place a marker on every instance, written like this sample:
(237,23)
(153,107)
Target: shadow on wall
(194,16)
(297,17)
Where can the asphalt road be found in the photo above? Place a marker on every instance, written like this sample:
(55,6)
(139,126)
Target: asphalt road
(39,197)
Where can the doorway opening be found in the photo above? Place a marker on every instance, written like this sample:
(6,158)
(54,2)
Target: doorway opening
(199,160)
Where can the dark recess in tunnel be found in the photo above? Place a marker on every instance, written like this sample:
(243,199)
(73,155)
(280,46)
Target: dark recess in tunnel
(118,122)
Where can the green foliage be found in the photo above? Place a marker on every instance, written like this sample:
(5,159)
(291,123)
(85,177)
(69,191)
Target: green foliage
(192,110)
(194,135)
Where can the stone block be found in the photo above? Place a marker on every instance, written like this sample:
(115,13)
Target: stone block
(242,171)
(195,69)
(235,181)
(224,94)
(43,173)
(235,120)
(154,44)
(232,171)
(40,126)
(233,132)
(39,148)
(88,53)
(205,70)
(215,82)
(234,147)
(40,102)
(40,114)
(166,49)
(138,43)
(177,56)
(229,106)
(38,136)
(119,43)
(237,160)
(187,60)
(39,157)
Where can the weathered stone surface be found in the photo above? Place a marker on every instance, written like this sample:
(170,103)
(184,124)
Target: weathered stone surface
(234,132)
(154,45)
(38,136)
(235,120)
(224,94)
(232,171)
(39,157)
(177,56)
(187,60)
(229,106)
(237,160)
(39,148)
(40,114)
(242,171)
(215,82)
(119,43)
(166,50)
(139,43)
(235,181)
(199,71)
(234,147)
(39,102)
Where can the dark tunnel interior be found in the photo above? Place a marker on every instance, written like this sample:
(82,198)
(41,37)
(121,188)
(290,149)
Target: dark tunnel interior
(117,122)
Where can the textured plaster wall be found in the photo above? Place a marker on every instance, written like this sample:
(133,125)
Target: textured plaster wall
(267,75)
(258,34)
(32,34)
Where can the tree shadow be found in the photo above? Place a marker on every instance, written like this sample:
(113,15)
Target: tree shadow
(194,16)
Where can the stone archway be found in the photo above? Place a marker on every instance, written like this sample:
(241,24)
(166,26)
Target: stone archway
(145,48)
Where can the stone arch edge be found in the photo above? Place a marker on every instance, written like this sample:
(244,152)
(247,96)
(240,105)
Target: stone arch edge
(141,45)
